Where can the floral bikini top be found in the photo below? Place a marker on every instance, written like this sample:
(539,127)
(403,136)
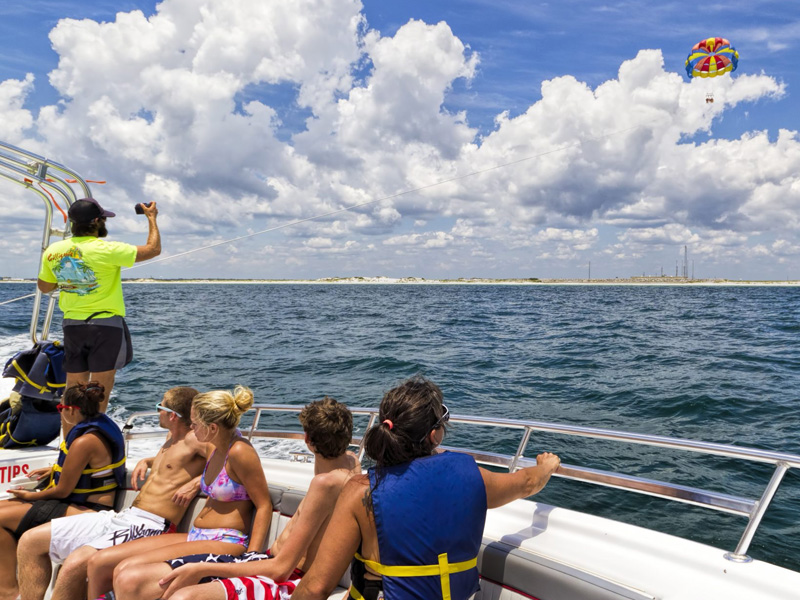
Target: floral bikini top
(223,488)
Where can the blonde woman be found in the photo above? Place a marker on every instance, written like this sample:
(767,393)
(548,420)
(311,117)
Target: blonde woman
(234,482)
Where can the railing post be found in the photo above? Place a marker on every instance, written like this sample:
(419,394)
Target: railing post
(254,425)
(372,418)
(520,450)
(740,554)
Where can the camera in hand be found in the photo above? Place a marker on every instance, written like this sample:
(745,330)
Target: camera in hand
(140,207)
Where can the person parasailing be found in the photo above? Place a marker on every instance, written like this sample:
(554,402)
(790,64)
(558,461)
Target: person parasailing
(712,57)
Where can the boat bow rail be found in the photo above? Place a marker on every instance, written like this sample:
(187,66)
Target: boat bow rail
(752,509)
(48,180)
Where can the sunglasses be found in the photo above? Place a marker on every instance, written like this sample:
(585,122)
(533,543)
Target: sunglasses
(60,407)
(443,419)
(165,409)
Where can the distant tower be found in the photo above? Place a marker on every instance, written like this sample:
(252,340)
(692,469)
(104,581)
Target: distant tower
(685,262)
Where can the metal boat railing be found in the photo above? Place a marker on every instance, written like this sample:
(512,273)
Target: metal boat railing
(752,509)
(26,169)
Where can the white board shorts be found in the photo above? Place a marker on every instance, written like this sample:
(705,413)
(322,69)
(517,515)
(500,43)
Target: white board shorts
(102,530)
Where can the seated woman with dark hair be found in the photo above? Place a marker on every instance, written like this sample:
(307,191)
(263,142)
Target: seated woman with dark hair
(89,469)
(415,523)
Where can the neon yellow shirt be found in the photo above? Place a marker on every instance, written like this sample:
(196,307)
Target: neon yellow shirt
(87,271)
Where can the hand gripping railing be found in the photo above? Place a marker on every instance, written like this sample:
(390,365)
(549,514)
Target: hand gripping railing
(754,510)
(26,169)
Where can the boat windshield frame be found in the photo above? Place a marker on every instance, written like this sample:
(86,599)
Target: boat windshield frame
(48,180)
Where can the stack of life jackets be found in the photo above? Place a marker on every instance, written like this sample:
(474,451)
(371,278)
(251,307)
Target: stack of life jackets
(29,416)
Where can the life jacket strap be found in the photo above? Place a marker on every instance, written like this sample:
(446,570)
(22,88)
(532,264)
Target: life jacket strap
(42,388)
(7,434)
(11,437)
(355,594)
(444,569)
(110,467)
(52,482)
(97,490)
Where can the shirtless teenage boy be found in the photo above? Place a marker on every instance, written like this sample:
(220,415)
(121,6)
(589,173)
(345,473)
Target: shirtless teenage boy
(328,426)
(174,480)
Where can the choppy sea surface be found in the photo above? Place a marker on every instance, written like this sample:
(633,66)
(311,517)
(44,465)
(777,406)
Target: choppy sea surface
(718,364)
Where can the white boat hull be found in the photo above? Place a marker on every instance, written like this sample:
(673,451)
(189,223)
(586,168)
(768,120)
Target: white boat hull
(16,463)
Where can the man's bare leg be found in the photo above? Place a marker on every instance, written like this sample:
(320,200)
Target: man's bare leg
(71,582)
(140,582)
(104,378)
(74,378)
(204,591)
(137,577)
(33,557)
(11,513)
(102,564)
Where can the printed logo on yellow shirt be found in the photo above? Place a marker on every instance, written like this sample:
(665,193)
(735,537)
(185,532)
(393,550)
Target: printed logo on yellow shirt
(73,274)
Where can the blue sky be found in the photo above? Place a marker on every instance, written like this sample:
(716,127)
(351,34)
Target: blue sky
(249,115)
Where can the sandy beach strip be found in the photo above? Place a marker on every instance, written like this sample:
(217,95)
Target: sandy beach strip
(636,281)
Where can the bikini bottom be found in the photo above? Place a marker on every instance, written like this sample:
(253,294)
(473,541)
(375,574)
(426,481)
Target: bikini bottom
(220,534)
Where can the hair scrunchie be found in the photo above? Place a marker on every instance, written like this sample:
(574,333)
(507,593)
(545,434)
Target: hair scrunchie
(389,423)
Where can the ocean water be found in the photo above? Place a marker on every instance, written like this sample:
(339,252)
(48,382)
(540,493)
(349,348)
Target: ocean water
(718,364)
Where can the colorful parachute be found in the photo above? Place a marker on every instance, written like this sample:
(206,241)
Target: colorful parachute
(712,57)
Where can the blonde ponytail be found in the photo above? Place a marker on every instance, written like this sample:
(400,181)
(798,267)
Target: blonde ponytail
(223,407)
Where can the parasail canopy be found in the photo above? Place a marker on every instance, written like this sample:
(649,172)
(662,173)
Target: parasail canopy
(712,57)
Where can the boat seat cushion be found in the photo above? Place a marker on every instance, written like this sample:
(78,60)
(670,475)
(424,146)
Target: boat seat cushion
(527,575)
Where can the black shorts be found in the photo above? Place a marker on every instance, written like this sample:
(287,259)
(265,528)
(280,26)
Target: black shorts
(44,511)
(96,345)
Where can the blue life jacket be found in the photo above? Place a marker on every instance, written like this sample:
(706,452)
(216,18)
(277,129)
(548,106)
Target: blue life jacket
(89,482)
(39,372)
(429,516)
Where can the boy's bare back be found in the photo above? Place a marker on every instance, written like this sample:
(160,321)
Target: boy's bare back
(319,500)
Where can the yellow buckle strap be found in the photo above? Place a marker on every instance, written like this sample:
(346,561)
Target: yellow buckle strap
(102,488)
(31,443)
(52,482)
(112,466)
(444,569)
(355,594)
(42,388)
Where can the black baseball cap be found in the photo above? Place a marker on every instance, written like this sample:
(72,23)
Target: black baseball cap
(87,210)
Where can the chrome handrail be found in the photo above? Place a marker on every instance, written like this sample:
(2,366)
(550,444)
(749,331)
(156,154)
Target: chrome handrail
(25,168)
(754,510)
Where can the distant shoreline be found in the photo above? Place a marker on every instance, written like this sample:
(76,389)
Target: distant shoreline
(633,281)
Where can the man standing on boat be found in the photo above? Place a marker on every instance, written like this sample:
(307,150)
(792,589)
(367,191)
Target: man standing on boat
(86,270)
